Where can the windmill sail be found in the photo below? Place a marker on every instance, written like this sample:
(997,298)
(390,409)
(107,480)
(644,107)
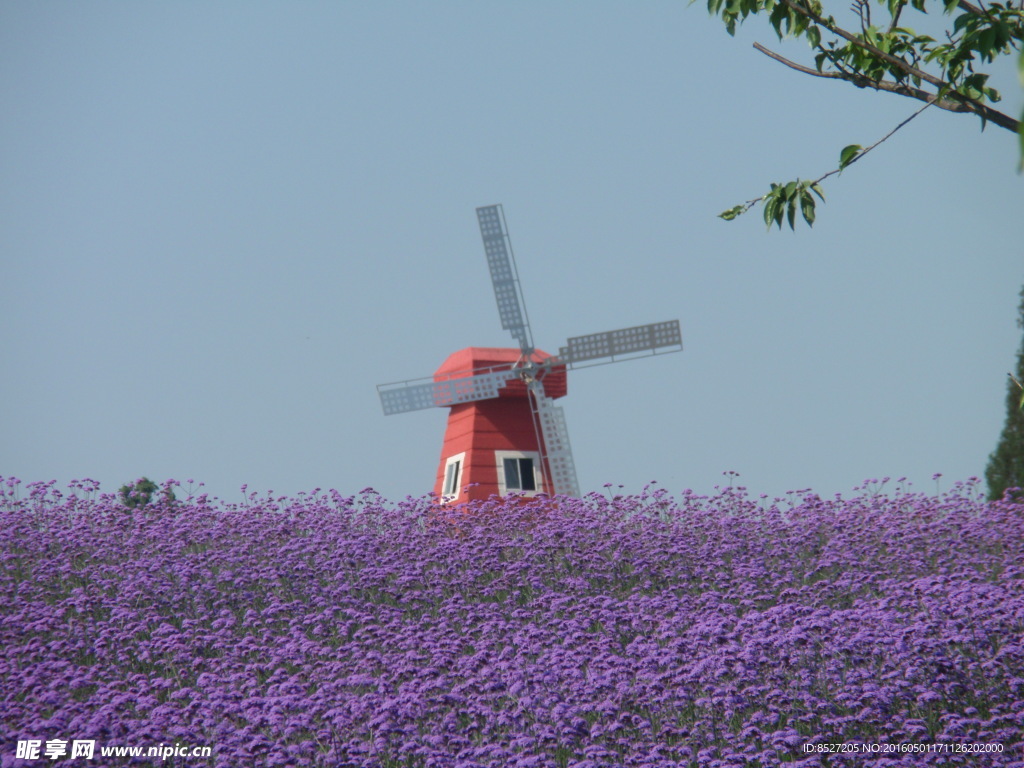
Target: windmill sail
(407,396)
(504,277)
(556,451)
(636,341)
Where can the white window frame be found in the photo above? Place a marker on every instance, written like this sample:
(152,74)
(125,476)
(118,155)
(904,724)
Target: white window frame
(448,493)
(538,480)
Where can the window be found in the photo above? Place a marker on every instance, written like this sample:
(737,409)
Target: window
(452,477)
(517,472)
(519,475)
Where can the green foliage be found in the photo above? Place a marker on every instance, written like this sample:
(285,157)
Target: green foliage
(849,154)
(783,201)
(140,493)
(889,56)
(1006,464)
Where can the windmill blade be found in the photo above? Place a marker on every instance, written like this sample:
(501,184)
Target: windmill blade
(504,277)
(405,396)
(637,341)
(557,453)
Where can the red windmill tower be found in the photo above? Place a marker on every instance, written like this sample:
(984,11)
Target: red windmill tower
(505,434)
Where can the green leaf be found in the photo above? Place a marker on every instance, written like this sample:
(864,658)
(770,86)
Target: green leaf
(807,207)
(962,21)
(848,155)
(986,43)
(732,213)
(791,213)
(770,205)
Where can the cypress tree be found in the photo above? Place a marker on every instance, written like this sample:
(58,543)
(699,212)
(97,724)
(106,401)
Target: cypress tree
(1006,464)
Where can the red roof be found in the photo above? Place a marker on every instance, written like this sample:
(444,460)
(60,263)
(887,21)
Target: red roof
(472,360)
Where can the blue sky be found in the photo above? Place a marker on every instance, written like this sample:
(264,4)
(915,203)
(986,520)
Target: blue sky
(221,225)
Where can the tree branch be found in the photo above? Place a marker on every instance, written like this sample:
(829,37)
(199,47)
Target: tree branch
(896,16)
(862,81)
(976,10)
(978,108)
(798,67)
(884,138)
(852,38)
(746,206)
(972,8)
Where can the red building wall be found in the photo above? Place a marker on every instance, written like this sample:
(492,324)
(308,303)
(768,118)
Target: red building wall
(480,428)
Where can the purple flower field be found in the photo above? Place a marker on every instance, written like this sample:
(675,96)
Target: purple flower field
(650,630)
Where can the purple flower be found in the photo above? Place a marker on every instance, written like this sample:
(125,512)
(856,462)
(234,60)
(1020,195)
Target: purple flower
(343,630)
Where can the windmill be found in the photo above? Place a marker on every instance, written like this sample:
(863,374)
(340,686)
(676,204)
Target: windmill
(505,435)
